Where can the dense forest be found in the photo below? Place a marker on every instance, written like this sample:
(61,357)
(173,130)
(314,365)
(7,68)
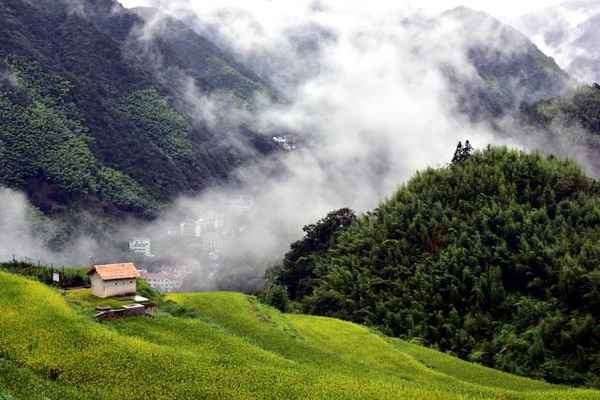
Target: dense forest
(494,258)
(91,115)
(580,109)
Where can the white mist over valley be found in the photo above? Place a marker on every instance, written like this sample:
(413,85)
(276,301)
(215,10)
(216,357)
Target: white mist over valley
(362,102)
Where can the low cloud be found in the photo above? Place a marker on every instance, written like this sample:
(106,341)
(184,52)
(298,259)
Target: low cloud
(368,107)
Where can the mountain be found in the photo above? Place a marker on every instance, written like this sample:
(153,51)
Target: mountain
(579,109)
(569,32)
(96,113)
(504,70)
(222,346)
(493,259)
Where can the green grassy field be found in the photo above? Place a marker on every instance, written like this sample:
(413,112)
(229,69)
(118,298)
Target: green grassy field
(50,348)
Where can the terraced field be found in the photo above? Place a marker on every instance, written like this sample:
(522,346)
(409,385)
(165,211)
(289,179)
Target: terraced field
(50,348)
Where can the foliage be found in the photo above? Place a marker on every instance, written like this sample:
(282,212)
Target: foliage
(236,349)
(494,259)
(462,154)
(145,290)
(296,271)
(44,142)
(276,296)
(88,120)
(71,277)
(580,108)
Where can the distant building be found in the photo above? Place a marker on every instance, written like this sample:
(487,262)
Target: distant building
(240,203)
(187,229)
(213,242)
(141,246)
(163,282)
(114,280)
(210,222)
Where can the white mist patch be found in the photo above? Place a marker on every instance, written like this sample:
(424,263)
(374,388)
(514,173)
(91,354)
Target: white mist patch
(373,110)
(364,93)
(569,33)
(18,222)
(24,235)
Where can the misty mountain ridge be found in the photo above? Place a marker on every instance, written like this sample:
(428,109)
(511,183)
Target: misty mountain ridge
(510,69)
(130,112)
(116,62)
(571,33)
(85,67)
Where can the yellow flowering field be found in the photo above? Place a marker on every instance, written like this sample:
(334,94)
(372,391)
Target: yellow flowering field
(235,349)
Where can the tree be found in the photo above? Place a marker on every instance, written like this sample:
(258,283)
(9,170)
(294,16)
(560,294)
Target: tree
(457,153)
(277,297)
(467,151)
(462,153)
(296,271)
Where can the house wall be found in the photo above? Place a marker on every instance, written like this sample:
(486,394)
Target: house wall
(97,286)
(104,289)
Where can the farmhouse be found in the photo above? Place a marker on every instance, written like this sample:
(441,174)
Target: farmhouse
(114,280)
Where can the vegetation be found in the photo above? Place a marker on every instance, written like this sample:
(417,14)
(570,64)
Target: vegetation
(235,348)
(297,272)
(494,259)
(511,70)
(70,277)
(462,154)
(88,120)
(581,108)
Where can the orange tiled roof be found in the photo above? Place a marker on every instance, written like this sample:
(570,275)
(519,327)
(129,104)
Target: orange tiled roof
(112,272)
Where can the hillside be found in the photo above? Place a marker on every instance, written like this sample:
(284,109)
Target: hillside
(572,120)
(494,259)
(505,68)
(230,348)
(568,32)
(93,111)
(577,109)
(102,108)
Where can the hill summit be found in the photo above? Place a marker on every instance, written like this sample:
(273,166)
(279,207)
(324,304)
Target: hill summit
(494,258)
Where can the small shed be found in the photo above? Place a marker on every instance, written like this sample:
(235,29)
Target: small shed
(114,280)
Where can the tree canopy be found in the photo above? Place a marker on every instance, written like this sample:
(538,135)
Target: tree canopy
(495,259)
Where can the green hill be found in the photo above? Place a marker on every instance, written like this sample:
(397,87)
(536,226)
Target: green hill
(50,348)
(494,259)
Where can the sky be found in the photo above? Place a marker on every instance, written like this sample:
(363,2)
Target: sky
(507,8)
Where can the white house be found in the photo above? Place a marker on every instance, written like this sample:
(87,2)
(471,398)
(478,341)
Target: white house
(114,280)
(141,246)
(164,282)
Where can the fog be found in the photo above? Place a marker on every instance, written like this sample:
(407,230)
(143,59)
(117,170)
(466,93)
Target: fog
(369,107)
(569,33)
(364,99)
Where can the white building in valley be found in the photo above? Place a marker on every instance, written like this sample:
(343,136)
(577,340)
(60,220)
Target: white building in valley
(141,246)
(163,282)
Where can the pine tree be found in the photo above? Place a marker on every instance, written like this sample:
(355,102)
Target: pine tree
(457,153)
(462,153)
(467,150)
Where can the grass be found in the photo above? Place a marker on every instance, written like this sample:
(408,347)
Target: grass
(85,299)
(235,348)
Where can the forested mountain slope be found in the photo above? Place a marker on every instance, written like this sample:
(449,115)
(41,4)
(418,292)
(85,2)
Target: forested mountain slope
(568,31)
(92,108)
(579,108)
(223,346)
(505,68)
(494,259)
